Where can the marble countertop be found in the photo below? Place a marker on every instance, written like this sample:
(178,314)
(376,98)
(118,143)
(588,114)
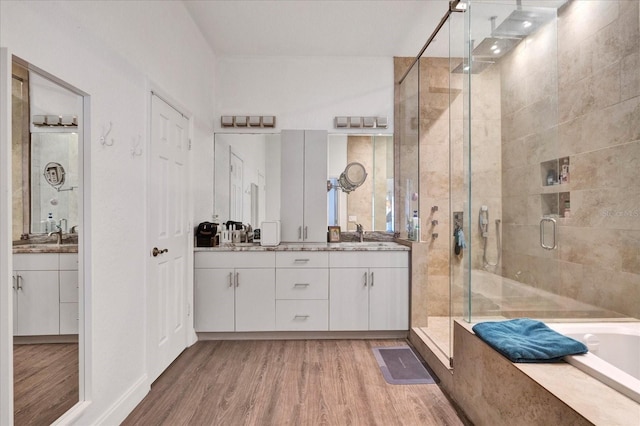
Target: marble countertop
(343,246)
(45,248)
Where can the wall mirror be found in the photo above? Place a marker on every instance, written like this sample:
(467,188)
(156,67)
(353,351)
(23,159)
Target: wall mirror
(247,179)
(46,151)
(371,203)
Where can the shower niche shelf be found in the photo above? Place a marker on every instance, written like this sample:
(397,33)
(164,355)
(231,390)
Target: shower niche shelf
(554,174)
(556,205)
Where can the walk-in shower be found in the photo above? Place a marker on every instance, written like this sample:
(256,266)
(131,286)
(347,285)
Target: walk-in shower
(531,112)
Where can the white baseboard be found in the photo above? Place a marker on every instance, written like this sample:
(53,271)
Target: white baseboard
(124,405)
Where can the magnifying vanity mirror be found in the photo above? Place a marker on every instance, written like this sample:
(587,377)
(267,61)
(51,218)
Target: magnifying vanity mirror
(248,173)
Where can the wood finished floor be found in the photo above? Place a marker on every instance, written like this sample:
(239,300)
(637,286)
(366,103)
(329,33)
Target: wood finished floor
(45,378)
(295,382)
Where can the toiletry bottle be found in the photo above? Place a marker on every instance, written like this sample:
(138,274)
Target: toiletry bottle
(51,224)
(550,177)
(416,226)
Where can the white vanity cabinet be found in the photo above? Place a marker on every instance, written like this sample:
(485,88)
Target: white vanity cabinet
(36,283)
(303,212)
(234,291)
(302,291)
(368,291)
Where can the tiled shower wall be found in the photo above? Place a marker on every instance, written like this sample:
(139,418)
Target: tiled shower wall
(590,112)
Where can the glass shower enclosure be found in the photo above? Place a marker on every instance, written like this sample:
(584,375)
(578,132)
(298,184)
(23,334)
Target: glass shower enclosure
(519,149)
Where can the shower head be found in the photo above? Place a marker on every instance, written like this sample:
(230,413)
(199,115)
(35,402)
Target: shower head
(520,23)
(476,67)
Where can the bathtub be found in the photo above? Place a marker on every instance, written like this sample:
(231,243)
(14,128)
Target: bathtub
(614,352)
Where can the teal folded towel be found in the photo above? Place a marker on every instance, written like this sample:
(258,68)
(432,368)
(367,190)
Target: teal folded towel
(527,340)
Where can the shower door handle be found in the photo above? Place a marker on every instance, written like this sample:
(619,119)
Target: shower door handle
(543,242)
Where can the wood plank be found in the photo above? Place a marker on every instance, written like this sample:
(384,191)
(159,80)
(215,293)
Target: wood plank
(45,382)
(294,382)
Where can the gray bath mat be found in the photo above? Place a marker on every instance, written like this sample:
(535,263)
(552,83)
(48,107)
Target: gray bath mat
(401,366)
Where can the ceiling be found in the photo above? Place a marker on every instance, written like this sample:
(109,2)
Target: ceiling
(316,27)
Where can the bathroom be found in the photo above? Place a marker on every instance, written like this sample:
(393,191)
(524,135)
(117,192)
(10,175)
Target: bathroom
(111,63)
(532,149)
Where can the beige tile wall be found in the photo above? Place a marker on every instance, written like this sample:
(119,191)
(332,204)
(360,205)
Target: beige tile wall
(590,112)
(441,176)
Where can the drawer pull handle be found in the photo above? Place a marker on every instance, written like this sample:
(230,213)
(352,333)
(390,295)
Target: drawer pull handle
(366,279)
(372,279)
(301,260)
(301,316)
(237,279)
(301,285)
(230,279)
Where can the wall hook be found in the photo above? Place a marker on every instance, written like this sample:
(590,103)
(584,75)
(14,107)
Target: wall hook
(136,149)
(103,138)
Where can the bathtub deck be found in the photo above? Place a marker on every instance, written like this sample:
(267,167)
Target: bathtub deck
(587,396)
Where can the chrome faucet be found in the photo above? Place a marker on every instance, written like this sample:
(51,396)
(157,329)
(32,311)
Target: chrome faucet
(58,234)
(360,231)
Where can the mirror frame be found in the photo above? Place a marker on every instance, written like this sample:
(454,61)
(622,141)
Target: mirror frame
(84,245)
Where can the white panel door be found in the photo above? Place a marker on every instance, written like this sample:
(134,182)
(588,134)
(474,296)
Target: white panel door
(348,299)
(388,299)
(315,186)
(168,236)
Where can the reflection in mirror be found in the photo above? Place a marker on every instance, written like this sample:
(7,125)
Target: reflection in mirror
(370,204)
(45,183)
(247,178)
(54,181)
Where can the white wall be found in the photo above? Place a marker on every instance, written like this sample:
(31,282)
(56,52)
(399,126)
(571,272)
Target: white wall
(305,92)
(108,50)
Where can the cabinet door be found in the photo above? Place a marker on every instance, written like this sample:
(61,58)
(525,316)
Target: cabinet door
(38,303)
(69,322)
(214,300)
(348,299)
(315,186)
(292,185)
(255,299)
(388,299)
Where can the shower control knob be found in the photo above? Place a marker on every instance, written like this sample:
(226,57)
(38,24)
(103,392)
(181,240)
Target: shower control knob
(434,222)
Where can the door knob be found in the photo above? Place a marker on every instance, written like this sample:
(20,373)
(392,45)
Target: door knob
(156,251)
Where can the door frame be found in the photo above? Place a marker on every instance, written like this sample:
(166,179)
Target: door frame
(153,89)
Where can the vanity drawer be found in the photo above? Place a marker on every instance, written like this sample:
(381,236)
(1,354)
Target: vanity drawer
(35,262)
(302,283)
(234,260)
(363,259)
(304,315)
(68,262)
(302,259)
